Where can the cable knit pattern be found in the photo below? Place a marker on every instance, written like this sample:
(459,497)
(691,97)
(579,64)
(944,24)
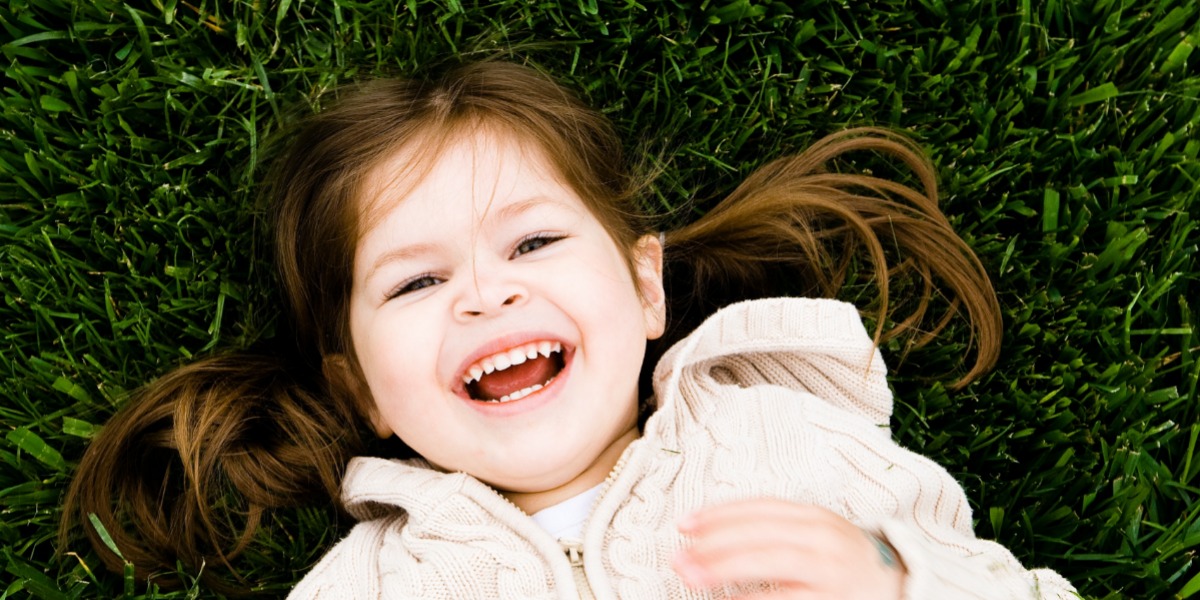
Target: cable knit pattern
(780,397)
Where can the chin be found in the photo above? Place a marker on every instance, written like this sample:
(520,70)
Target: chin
(535,478)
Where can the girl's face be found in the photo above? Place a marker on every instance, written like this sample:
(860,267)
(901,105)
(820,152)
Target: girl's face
(497,324)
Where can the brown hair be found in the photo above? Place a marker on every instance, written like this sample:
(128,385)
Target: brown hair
(272,431)
(795,228)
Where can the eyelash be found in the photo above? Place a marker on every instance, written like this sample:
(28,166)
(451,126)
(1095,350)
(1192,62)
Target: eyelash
(425,280)
(545,238)
(407,287)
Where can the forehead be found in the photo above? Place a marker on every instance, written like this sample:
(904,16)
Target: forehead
(469,170)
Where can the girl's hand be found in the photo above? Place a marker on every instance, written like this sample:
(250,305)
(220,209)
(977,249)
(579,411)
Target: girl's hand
(807,551)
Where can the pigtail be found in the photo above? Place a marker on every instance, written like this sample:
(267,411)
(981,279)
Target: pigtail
(186,470)
(794,227)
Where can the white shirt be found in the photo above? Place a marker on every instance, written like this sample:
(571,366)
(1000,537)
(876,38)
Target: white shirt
(565,520)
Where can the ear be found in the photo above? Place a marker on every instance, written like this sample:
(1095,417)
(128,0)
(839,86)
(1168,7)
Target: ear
(348,385)
(648,273)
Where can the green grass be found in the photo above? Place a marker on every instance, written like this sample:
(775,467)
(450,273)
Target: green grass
(1065,132)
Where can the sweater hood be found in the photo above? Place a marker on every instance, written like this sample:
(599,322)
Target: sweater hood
(760,342)
(767,325)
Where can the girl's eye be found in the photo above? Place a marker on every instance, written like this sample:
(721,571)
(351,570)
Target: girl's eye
(535,242)
(412,285)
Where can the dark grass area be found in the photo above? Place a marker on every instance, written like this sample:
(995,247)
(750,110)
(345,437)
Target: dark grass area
(132,137)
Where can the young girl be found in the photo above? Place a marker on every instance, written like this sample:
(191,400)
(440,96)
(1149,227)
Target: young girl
(467,271)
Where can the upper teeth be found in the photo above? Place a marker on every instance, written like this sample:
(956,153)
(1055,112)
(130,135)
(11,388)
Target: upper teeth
(503,360)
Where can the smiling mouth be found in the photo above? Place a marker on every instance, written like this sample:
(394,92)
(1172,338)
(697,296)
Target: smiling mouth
(514,374)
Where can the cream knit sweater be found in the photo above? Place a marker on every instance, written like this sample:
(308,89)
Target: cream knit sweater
(778,397)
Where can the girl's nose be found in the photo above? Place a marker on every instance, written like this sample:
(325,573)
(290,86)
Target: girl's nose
(489,298)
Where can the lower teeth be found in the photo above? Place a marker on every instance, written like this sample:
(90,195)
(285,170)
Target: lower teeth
(520,394)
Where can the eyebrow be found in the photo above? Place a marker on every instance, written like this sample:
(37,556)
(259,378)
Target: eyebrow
(401,253)
(511,211)
(520,207)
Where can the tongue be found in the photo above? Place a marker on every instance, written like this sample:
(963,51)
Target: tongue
(516,378)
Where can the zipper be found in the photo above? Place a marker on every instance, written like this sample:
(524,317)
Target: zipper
(608,481)
(573,548)
(574,551)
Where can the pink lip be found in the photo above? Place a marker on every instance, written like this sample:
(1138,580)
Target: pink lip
(502,344)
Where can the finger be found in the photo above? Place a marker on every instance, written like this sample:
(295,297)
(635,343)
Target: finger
(781,548)
(781,511)
(757,541)
(755,564)
(783,594)
(778,526)
(825,531)
(778,558)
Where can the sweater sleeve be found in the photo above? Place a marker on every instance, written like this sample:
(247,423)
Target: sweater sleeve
(923,513)
(910,500)
(820,348)
(989,572)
